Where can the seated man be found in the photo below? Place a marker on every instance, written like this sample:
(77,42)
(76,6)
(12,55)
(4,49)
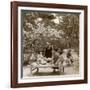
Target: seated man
(69,58)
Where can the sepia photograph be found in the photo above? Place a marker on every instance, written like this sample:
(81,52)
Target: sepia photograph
(49,44)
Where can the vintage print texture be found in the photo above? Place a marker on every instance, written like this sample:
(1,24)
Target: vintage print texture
(50,43)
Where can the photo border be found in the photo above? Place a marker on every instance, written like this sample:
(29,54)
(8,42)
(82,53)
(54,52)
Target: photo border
(14,43)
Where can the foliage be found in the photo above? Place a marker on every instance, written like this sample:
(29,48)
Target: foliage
(61,29)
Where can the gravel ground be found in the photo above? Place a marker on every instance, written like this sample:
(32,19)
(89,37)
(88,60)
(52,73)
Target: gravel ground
(69,70)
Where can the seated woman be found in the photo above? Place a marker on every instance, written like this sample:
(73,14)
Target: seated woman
(48,51)
(55,56)
(41,59)
(58,60)
(33,56)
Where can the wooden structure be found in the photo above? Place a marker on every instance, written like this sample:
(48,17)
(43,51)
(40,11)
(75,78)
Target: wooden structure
(34,66)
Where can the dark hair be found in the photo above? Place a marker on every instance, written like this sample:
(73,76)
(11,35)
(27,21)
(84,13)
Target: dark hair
(61,52)
(56,49)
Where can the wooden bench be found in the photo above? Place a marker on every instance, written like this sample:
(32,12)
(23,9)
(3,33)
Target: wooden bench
(37,66)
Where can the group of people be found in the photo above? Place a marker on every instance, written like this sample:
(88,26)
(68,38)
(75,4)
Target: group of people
(53,55)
